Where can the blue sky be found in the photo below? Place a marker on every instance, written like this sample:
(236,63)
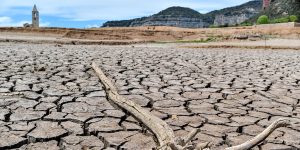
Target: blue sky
(92,13)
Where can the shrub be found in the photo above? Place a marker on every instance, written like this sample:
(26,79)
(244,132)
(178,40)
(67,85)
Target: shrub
(281,20)
(246,24)
(213,26)
(263,19)
(293,18)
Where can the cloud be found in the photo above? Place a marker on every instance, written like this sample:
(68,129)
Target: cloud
(93,26)
(83,10)
(6,21)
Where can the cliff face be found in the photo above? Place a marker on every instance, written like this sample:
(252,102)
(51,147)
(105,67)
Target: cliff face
(236,15)
(189,18)
(230,20)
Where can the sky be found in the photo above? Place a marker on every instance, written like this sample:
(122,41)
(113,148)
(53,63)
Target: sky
(93,13)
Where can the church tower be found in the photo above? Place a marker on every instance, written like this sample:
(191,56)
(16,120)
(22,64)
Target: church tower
(266,4)
(35,17)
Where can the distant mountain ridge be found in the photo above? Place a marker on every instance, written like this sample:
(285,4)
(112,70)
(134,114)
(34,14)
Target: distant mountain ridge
(173,16)
(189,18)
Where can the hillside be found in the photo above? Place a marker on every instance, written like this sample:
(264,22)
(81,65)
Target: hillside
(189,18)
(173,16)
(235,15)
(179,12)
(280,8)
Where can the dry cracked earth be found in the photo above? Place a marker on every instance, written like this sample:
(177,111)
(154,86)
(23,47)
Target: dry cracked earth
(50,97)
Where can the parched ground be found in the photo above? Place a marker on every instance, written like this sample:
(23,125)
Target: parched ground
(50,97)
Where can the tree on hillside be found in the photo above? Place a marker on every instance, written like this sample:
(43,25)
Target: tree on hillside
(263,19)
(293,18)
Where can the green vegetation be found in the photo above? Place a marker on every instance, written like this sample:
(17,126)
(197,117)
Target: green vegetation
(280,20)
(286,19)
(246,24)
(263,19)
(280,9)
(293,18)
(213,26)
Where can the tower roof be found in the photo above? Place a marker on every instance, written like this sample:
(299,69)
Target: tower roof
(34,8)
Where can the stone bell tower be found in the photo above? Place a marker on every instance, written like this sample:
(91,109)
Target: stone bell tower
(35,17)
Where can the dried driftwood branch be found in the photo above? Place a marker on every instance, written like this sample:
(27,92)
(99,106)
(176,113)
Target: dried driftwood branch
(162,131)
(262,136)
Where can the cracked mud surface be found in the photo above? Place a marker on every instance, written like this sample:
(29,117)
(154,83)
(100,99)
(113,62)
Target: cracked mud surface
(50,97)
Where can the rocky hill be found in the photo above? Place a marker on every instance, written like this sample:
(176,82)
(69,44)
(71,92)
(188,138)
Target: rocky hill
(173,16)
(278,9)
(281,8)
(189,18)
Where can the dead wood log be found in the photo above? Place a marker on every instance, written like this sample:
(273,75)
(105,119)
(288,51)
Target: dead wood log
(262,136)
(162,131)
